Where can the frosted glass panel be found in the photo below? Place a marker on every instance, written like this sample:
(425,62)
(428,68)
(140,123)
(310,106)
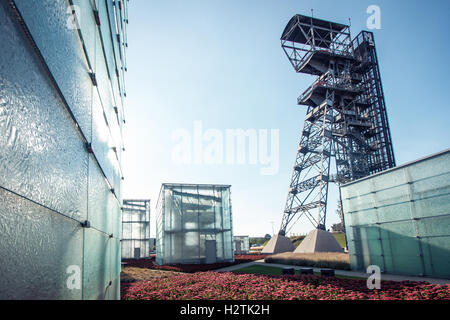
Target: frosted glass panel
(117,54)
(96,265)
(101,199)
(41,154)
(49,180)
(48,21)
(109,48)
(115,264)
(37,247)
(103,146)
(241,244)
(412,206)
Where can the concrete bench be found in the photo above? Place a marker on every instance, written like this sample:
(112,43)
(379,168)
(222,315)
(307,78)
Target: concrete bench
(306,271)
(327,272)
(288,271)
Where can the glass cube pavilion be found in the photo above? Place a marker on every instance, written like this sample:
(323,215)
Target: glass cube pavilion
(194,224)
(135,229)
(241,244)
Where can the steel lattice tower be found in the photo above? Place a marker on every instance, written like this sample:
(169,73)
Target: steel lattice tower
(346,116)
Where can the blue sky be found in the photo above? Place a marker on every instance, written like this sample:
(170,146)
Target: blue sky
(220,62)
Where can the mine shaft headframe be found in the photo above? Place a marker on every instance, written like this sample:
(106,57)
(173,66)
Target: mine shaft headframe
(305,37)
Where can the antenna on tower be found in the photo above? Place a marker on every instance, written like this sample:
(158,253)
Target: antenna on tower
(273,232)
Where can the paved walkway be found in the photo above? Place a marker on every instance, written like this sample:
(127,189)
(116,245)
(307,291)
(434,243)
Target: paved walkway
(384,276)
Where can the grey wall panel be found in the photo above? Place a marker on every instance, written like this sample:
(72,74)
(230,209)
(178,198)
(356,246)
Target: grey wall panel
(103,145)
(116,46)
(49,22)
(108,39)
(115,250)
(37,246)
(97,261)
(101,200)
(49,182)
(61,48)
(42,156)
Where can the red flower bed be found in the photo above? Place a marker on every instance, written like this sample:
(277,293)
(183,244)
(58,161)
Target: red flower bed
(225,286)
(190,268)
(249,257)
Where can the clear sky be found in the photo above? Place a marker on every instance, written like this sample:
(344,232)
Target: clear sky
(220,63)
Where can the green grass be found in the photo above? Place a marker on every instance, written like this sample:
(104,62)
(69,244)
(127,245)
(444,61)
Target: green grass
(256,269)
(266,270)
(297,240)
(331,260)
(340,238)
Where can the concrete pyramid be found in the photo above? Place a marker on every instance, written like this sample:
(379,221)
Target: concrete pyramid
(319,241)
(278,244)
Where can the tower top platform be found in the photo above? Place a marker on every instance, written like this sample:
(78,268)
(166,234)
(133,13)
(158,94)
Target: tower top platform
(323,29)
(310,43)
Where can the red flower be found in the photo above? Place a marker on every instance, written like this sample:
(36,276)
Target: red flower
(224,286)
